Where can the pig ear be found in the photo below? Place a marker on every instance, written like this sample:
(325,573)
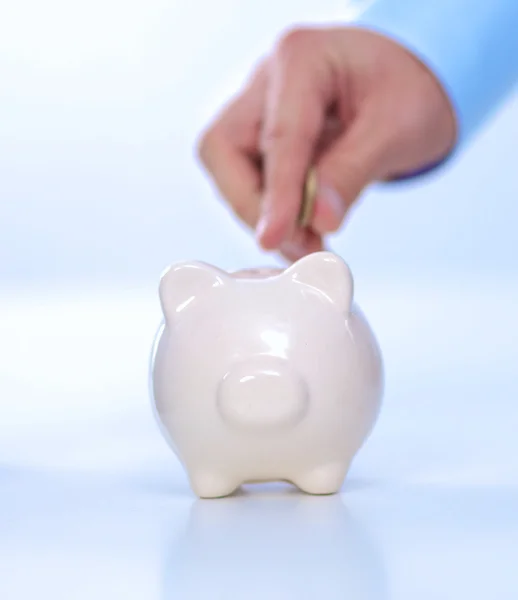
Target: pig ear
(184,282)
(328,274)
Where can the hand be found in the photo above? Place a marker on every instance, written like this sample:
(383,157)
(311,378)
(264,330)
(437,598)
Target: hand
(355,104)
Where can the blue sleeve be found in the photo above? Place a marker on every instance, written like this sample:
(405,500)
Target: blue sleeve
(470,45)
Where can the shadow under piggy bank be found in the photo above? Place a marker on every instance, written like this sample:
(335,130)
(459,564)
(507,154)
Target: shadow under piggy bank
(276,547)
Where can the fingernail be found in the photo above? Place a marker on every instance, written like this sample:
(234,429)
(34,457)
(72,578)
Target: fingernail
(293,251)
(330,211)
(333,200)
(261,227)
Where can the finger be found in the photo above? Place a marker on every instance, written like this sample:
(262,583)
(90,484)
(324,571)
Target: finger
(297,97)
(350,164)
(237,179)
(301,245)
(229,150)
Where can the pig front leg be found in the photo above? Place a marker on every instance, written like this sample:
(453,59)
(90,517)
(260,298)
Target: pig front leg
(212,484)
(323,479)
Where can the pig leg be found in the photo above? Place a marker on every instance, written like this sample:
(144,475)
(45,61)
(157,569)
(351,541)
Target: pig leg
(211,484)
(324,479)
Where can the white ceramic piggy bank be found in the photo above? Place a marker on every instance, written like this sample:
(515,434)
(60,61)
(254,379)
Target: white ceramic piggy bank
(265,375)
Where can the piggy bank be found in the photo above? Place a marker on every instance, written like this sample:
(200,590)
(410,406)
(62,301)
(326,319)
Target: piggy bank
(265,375)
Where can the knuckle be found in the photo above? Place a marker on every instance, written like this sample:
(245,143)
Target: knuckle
(281,129)
(275,130)
(293,41)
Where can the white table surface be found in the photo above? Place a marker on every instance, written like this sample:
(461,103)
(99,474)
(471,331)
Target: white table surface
(94,505)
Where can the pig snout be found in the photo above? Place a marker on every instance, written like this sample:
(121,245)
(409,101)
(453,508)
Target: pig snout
(262,393)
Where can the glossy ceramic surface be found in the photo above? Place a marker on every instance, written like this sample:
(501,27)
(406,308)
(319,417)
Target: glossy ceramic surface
(265,375)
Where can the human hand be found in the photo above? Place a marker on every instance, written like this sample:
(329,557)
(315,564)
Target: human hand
(356,105)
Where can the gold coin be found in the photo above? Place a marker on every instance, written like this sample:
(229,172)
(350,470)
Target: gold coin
(308,199)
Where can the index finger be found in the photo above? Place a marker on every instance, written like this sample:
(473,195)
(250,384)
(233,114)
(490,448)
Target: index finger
(294,115)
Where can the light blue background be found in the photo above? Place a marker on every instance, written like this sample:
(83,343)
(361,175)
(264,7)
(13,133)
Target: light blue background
(100,106)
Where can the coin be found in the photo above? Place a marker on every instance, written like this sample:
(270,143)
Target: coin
(308,199)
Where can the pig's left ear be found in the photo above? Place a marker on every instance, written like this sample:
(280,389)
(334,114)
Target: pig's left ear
(328,274)
(184,282)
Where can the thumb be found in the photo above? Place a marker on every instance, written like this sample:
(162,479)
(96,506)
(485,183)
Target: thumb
(354,160)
